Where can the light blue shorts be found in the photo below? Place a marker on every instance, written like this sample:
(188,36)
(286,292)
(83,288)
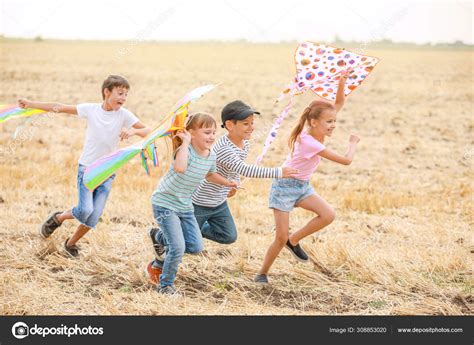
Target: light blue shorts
(285,193)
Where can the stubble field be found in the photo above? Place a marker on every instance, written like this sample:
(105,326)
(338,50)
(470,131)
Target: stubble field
(402,241)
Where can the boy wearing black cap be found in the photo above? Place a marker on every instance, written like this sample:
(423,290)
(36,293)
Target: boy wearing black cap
(210,200)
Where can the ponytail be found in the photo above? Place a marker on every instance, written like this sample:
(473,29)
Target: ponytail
(298,129)
(313,111)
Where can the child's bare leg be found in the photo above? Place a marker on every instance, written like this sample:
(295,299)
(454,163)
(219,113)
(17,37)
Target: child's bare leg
(325,212)
(282,224)
(80,232)
(64,216)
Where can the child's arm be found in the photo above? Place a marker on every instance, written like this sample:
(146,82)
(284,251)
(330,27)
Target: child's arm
(232,161)
(255,171)
(137,129)
(340,95)
(218,179)
(347,158)
(48,106)
(181,160)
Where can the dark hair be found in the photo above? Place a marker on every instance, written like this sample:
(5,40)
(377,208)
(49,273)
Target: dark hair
(234,121)
(313,111)
(114,81)
(194,121)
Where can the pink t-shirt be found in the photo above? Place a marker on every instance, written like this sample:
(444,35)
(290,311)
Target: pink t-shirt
(305,157)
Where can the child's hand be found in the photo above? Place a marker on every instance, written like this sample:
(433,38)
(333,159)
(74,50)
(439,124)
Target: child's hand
(232,184)
(232,192)
(24,103)
(289,172)
(346,73)
(126,133)
(354,139)
(184,135)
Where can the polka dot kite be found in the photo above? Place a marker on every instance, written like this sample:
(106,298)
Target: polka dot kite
(318,68)
(327,67)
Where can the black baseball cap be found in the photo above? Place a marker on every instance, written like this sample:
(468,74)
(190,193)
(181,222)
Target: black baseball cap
(236,110)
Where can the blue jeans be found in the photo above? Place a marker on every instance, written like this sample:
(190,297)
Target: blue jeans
(180,233)
(91,204)
(216,223)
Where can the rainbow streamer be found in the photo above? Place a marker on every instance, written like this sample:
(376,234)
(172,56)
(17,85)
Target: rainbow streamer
(11,111)
(103,168)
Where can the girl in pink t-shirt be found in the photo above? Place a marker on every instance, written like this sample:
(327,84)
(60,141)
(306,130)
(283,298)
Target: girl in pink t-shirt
(306,143)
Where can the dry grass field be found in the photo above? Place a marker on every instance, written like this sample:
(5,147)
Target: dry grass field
(402,241)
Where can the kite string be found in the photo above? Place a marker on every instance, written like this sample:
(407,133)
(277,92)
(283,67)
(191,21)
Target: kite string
(19,128)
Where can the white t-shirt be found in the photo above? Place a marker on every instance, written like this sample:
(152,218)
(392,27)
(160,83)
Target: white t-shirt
(103,130)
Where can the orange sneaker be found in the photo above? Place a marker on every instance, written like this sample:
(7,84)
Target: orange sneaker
(153,273)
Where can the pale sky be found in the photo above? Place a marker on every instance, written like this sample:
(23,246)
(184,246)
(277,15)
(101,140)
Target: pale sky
(256,21)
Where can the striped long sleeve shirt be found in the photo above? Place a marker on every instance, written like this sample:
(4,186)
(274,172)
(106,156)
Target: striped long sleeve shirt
(230,164)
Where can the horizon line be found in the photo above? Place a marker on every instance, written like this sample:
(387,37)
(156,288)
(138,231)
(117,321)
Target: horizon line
(38,38)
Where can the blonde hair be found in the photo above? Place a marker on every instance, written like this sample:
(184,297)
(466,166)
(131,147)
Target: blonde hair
(194,121)
(313,111)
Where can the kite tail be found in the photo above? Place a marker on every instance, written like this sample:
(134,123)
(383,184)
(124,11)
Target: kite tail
(290,89)
(151,153)
(276,125)
(144,162)
(154,155)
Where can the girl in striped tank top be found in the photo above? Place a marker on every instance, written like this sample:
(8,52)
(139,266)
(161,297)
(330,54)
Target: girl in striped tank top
(172,205)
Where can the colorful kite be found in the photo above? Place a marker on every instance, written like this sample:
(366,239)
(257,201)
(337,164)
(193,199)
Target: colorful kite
(10,111)
(103,168)
(318,68)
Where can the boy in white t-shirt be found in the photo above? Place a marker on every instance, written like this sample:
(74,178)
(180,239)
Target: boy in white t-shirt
(107,123)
